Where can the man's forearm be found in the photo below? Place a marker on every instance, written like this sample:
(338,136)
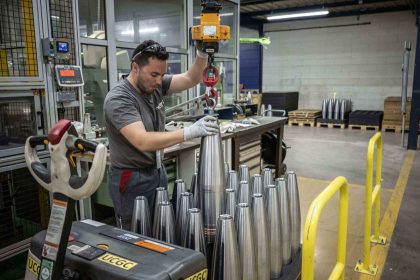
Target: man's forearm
(153,141)
(197,68)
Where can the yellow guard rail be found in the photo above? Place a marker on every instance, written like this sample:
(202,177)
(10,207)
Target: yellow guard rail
(311,224)
(372,199)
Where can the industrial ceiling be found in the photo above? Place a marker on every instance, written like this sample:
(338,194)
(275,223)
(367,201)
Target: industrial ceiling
(254,12)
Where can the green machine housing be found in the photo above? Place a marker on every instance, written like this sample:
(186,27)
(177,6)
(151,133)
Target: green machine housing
(99,251)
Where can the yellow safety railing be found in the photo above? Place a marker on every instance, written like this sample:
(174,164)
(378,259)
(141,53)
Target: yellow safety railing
(311,224)
(373,198)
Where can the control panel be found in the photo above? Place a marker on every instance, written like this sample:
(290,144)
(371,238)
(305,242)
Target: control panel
(56,48)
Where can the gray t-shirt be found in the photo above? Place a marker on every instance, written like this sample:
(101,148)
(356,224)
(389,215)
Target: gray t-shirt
(123,105)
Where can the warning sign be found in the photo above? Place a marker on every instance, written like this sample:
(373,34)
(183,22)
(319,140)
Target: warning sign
(117,261)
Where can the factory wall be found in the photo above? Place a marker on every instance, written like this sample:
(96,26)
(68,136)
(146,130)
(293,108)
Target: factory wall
(355,57)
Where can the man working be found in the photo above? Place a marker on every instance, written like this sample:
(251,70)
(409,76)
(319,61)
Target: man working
(135,122)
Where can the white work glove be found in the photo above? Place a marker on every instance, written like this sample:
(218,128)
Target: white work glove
(203,127)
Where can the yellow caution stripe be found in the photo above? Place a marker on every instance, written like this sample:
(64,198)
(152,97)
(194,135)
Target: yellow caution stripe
(117,261)
(380,253)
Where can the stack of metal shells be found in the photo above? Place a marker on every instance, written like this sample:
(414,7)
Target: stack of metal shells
(247,227)
(336,109)
(257,232)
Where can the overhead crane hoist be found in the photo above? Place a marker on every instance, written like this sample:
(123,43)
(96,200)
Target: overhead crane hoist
(207,35)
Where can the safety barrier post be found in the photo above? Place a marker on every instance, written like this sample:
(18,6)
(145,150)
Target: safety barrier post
(373,198)
(311,224)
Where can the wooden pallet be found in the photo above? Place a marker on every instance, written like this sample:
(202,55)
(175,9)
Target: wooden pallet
(308,113)
(392,128)
(364,127)
(302,123)
(332,125)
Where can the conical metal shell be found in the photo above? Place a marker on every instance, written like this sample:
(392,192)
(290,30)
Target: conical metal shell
(274,228)
(230,205)
(165,229)
(226,262)
(293,191)
(343,109)
(211,183)
(286,229)
(161,196)
(261,237)
(324,109)
(269,113)
(246,244)
(244,193)
(337,109)
(194,234)
(232,181)
(185,203)
(195,191)
(257,184)
(243,173)
(267,178)
(140,221)
(330,108)
(262,110)
(179,188)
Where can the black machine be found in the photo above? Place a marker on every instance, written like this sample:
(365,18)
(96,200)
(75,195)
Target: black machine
(89,249)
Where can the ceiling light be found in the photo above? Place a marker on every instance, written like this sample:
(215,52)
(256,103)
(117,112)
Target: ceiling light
(143,30)
(298,15)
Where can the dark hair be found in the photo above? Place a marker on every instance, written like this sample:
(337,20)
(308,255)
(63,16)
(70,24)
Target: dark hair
(146,49)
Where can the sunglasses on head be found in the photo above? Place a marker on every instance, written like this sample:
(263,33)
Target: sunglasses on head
(155,49)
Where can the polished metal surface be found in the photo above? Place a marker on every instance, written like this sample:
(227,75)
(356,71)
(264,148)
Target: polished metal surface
(161,196)
(257,185)
(230,205)
(243,173)
(331,106)
(274,228)
(246,245)
(293,191)
(262,110)
(195,191)
(324,108)
(269,109)
(179,188)
(232,181)
(337,109)
(226,262)
(244,192)
(165,229)
(185,203)
(194,233)
(211,183)
(267,177)
(261,237)
(286,230)
(140,221)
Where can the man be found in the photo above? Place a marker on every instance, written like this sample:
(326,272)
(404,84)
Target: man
(135,122)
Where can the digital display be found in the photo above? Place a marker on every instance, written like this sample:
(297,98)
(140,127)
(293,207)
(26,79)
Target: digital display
(62,47)
(67,73)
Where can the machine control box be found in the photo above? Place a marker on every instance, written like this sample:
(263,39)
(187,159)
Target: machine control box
(56,48)
(99,251)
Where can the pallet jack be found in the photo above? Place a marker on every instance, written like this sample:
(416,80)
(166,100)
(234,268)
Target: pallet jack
(89,249)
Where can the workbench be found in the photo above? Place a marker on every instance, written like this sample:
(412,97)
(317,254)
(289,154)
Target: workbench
(185,156)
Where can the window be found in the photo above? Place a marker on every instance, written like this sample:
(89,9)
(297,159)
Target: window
(92,19)
(94,66)
(162,21)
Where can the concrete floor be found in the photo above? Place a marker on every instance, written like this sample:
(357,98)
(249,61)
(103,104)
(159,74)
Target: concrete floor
(318,155)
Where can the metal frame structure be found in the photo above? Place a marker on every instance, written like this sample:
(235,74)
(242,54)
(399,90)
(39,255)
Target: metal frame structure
(373,198)
(311,225)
